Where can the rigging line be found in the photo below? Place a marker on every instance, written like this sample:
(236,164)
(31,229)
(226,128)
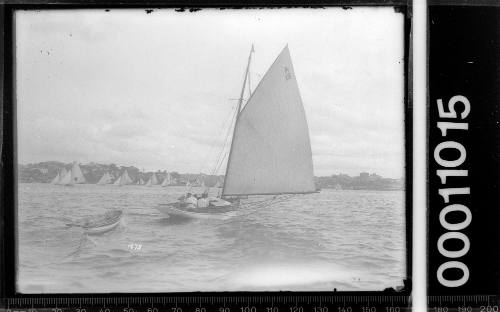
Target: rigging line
(219,133)
(221,153)
(221,156)
(249,86)
(222,161)
(224,143)
(213,147)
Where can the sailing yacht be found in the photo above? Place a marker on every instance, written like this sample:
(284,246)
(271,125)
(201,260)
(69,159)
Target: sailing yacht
(153,180)
(105,179)
(124,179)
(73,176)
(270,152)
(60,174)
(167,181)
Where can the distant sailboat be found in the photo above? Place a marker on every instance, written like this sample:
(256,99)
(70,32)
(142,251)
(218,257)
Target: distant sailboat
(105,179)
(59,176)
(153,180)
(270,152)
(124,179)
(167,181)
(74,176)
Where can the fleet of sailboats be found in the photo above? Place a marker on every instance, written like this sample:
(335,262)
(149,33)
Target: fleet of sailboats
(75,176)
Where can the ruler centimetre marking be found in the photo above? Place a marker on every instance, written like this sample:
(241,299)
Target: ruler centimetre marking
(218,303)
(250,303)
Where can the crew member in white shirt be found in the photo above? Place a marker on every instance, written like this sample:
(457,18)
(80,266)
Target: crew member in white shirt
(203,202)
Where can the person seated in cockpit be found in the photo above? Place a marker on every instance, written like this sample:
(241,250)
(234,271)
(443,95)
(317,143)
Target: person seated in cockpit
(203,202)
(189,200)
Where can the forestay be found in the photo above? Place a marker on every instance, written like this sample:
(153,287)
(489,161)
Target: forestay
(271,150)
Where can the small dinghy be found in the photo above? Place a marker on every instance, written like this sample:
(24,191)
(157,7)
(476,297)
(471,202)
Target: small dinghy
(180,210)
(101,223)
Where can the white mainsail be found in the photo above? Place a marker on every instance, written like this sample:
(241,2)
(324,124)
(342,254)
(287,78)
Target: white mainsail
(66,179)
(74,176)
(153,180)
(106,179)
(167,181)
(60,176)
(271,151)
(103,179)
(124,179)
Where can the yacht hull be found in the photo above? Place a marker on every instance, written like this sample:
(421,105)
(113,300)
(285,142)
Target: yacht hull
(217,213)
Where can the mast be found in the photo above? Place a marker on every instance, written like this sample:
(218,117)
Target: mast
(240,101)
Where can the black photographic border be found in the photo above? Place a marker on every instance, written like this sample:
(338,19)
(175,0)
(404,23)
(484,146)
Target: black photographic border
(462,55)
(8,181)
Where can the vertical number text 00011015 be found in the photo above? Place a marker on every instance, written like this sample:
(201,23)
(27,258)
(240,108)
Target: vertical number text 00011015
(450,156)
(464,152)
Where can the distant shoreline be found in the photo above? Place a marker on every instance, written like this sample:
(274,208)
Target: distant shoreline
(45,172)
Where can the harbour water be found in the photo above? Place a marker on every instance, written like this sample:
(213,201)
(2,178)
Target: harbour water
(348,240)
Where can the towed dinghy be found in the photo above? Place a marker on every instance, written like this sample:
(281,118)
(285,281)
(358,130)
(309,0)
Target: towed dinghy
(101,223)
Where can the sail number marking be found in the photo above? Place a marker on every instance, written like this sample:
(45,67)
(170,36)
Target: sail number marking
(450,156)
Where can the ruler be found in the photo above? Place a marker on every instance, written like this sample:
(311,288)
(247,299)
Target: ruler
(483,303)
(217,303)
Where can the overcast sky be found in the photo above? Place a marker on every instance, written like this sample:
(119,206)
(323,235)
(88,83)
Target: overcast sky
(154,90)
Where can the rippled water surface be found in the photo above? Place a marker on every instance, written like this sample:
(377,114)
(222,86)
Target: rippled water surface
(349,240)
